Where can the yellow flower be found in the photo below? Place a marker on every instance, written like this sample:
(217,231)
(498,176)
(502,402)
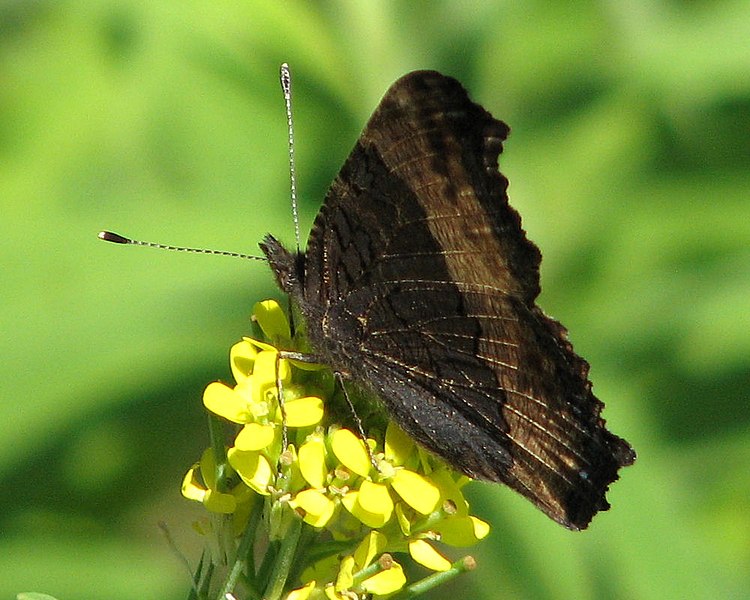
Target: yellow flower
(292,465)
(254,468)
(360,573)
(206,491)
(387,581)
(372,503)
(316,506)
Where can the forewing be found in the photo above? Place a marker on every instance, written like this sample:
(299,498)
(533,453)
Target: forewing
(419,192)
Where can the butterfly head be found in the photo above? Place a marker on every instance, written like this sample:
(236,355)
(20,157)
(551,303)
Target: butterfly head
(286,266)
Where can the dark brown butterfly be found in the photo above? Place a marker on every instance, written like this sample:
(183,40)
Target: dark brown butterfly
(419,284)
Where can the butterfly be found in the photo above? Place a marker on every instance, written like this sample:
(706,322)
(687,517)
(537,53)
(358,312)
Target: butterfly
(418,284)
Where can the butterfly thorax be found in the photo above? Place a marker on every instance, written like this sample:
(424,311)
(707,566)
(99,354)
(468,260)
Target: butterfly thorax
(329,343)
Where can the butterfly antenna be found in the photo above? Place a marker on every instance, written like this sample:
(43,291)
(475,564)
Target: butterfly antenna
(285,77)
(116,238)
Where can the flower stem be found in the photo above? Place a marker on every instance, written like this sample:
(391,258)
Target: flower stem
(284,561)
(216,433)
(241,561)
(467,563)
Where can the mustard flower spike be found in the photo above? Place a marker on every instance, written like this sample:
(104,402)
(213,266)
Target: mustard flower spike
(320,484)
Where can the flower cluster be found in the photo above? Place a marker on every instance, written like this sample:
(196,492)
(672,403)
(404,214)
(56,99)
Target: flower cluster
(289,462)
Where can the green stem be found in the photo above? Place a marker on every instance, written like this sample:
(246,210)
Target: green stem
(216,433)
(467,563)
(284,561)
(372,569)
(307,540)
(244,549)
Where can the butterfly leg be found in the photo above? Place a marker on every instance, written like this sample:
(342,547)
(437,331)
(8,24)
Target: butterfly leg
(280,400)
(289,355)
(357,420)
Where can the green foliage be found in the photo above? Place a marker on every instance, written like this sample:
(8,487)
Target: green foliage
(628,161)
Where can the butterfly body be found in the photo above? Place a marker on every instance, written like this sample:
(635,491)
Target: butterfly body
(418,284)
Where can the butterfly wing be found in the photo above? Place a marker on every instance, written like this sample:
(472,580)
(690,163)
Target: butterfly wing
(419,283)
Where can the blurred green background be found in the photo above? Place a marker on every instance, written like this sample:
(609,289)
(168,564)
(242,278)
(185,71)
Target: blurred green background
(628,160)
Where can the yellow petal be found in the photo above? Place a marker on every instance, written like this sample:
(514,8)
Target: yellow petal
(332,594)
(254,436)
(370,547)
(350,450)
(303,412)
(191,487)
(312,462)
(264,376)
(350,501)
(241,359)
(426,555)
(345,577)
(399,447)
(481,528)
(208,468)
(272,320)
(372,504)
(374,498)
(461,531)
(403,520)
(385,582)
(417,491)
(302,593)
(223,401)
(450,492)
(253,468)
(317,506)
